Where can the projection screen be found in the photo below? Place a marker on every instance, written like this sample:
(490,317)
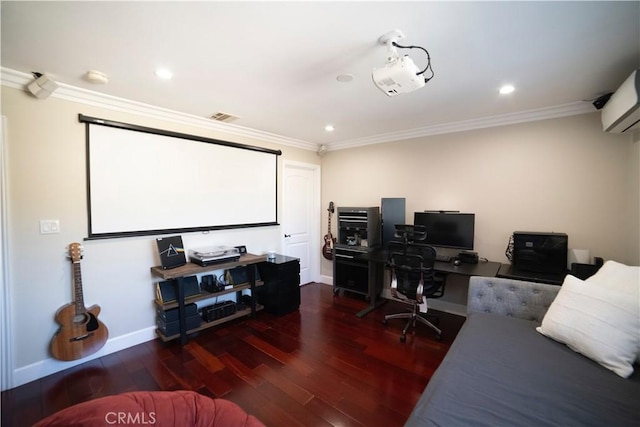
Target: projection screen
(145,181)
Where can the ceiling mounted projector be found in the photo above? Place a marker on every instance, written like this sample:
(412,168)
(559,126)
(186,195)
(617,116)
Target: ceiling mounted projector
(400,74)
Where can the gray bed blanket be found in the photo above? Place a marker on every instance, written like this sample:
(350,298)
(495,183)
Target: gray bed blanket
(501,372)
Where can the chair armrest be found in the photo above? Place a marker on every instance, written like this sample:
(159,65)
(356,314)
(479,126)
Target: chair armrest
(507,297)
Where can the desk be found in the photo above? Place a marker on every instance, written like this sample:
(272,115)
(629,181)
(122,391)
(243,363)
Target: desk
(482,268)
(380,256)
(506,271)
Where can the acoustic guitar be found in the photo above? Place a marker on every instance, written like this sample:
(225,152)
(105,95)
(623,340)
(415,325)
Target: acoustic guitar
(329,240)
(80,333)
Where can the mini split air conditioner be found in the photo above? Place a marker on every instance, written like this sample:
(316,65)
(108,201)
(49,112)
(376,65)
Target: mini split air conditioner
(622,112)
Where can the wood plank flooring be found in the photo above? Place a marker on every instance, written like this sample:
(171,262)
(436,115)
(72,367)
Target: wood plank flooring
(319,366)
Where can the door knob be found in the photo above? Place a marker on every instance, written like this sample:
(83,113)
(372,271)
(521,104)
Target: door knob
(287,235)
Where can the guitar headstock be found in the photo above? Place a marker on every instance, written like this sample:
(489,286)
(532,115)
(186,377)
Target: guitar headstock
(75,252)
(331,208)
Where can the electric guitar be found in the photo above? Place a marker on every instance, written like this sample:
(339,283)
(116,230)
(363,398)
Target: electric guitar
(80,333)
(329,240)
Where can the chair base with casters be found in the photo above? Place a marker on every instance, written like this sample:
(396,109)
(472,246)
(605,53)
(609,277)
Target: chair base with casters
(413,316)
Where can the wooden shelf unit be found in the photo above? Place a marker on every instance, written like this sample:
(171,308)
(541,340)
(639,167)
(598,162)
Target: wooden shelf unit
(191,269)
(206,325)
(206,295)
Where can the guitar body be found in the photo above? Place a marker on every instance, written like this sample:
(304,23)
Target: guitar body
(329,240)
(327,249)
(78,335)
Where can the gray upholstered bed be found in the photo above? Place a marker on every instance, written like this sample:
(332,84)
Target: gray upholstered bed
(501,372)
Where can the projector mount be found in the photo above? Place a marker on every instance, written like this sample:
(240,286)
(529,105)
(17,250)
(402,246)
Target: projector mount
(390,40)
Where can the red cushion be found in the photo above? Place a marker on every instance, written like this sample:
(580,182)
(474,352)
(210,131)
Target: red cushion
(153,408)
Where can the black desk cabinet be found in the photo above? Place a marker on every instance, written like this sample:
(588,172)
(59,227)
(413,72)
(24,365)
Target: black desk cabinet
(281,291)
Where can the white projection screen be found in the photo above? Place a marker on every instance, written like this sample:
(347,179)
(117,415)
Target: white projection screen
(144,181)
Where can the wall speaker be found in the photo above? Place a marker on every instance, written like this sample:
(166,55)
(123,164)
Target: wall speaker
(42,86)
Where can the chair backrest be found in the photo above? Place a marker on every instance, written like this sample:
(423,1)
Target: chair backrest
(410,263)
(410,233)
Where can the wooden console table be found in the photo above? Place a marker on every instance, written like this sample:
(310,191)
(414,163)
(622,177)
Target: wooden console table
(179,273)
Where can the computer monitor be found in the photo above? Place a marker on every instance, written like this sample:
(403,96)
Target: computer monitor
(447,229)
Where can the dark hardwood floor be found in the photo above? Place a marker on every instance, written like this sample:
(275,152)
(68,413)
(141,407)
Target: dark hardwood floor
(320,366)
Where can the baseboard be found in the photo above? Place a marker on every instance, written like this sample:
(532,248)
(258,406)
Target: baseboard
(327,280)
(46,367)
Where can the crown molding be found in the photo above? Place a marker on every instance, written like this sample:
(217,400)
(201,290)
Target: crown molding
(19,80)
(571,109)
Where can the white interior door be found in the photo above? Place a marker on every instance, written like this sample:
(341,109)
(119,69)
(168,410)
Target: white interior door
(301,217)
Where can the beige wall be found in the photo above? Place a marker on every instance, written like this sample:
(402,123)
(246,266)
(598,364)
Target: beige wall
(46,180)
(562,175)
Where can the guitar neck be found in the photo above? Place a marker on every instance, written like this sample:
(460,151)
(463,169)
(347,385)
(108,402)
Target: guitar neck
(77,286)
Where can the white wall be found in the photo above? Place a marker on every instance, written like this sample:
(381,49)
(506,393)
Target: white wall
(46,179)
(562,175)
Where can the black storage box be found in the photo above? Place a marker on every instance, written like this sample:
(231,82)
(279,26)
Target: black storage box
(540,252)
(173,314)
(280,293)
(173,328)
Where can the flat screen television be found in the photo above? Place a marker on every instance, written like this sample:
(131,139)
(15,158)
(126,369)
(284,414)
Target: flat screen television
(447,229)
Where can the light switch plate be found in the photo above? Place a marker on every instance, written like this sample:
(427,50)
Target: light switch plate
(49,226)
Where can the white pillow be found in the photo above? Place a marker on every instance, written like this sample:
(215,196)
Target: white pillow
(597,321)
(619,276)
(612,274)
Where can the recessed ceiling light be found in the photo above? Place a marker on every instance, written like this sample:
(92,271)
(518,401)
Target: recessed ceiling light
(163,73)
(506,89)
(329,128)
(344,78)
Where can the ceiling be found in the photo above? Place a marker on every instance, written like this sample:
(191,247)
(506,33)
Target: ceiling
(274,64)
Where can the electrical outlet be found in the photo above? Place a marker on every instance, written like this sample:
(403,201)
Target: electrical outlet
(49,226)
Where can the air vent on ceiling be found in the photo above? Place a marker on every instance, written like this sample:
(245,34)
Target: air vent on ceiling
(223,117)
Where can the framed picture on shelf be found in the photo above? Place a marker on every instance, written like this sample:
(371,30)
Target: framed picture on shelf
(171,251)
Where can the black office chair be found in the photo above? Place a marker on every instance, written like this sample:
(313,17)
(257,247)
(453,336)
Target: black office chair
(412,276)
